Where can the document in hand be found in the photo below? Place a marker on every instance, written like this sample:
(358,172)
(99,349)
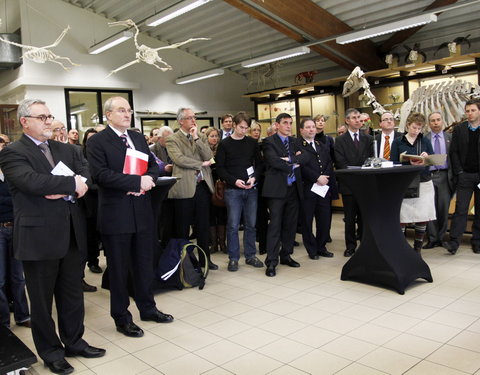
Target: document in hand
(136,162)
(434,159)
(61,169)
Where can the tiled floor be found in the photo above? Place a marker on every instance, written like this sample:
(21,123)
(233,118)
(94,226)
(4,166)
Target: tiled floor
(303,321)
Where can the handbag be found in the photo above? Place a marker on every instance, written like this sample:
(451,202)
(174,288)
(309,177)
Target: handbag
(217,196)
(413,190)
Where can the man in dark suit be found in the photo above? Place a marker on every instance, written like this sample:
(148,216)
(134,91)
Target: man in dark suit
(125,216)
(386,136)
(227,124)
(316,170)
(442,181)
(283,188)
(351,149)
(465,161)
(49,235)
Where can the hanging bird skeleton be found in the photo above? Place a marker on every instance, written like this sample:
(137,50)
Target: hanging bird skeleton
(356,81)
(41,55)
(147,54)
(452,46)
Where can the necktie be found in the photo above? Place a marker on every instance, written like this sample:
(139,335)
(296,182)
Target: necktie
(46,151)
(125,140)
(313,146)
(227,134)
(190,139)
(291,174)
(355,140)
(436,145)
(386,148)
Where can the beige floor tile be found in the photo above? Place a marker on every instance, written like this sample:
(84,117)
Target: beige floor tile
(373,334)
(252,363)
(457,358)
(217,371)
(475,327)
(382,302)
(189,364)
(283,326)
(254,338)
(195,340)
(415,310)
(113,353)
(210,301)
(331,305)
(434,331)
(413,345)
(339,324)
(361,312)
(256,317)
(305,298)
(183,309)
(284,350)
(319,362)
(280,292)
(203,318)
(222,352)
(395,321)
(453,319)
(128,365)
(389,361)
(358,369)
(348,348)
(355,296)
(160,353)
(307,315)
(433,300)
(133,345)
(257,300)
(85,372)
(429,368)
(282,307)
(313,336)
(232,308)
(150,371)
(226,328)
(169,331)
(467,340)
(287,370)
(465,307)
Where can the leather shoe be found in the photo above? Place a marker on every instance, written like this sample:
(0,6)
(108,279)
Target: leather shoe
(130,329)
(157,317)
(325,253)
(314,257)
(349,252)
(59,367)
(212,266)
(476,249)
(289,262)
(451,247)
(87,287)
(95,268)
(270,271)
(88,352)
(26,323)
(431,244)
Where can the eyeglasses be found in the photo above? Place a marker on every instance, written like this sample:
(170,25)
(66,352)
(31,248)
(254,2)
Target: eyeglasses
(190,118)
(59,129)
(43,118)
(124,111)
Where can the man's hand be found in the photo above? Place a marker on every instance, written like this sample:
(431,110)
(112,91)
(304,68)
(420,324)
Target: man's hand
(250,183)
(55,196)
(193,132)
(80,186)
(240,184)
(146,183)
(168,168)
(322,180)
(207,163)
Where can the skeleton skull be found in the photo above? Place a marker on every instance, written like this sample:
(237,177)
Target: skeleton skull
(389,59)
(413,55)
(452,47)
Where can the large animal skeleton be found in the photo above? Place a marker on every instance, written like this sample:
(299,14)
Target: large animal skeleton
(263,73)
(448,98)
(146,54)
(41,55)
(356,81)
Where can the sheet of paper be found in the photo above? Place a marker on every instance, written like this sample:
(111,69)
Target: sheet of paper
(61,169)
(320,190)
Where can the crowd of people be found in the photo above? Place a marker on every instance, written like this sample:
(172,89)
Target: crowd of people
(55,217)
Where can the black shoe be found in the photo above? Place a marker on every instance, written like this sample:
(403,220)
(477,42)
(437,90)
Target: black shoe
(349,252)
(262,251)
(88,352)
(232,265)
(95,268)
(157,317)
(314,257)
(451,247)
(87,287)
(431,244)
(296,244)
(270,271)
(254,262)
(212,266)
(130,329)
(26,324)
(476,249)
(325,253)
(289,262)
(329,239)
(59,367)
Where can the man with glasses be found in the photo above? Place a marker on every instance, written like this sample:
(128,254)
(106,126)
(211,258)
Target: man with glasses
(191,158)
(59,132)
(125,216)
(49,235)
(387,135)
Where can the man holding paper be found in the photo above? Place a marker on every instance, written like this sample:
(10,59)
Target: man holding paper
(125,172)
(49,234)
(319,188)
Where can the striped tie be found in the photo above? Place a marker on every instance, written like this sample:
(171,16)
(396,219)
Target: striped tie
(125,140)
(386,148)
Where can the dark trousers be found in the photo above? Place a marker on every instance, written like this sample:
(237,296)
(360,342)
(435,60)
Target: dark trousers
(262,222)
(59,278)
(352,216)
(320,208)
(466,186)
(196,211)
(282,227)
(436,229)
(130,252)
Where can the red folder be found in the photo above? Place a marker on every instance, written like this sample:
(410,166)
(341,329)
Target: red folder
(136,162)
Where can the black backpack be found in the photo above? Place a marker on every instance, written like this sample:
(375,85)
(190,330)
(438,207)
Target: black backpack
(179,267)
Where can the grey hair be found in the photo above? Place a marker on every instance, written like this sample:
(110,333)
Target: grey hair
(350,111)
(437,112)
(108,106)
(24,107)
(181,113)
(164,129)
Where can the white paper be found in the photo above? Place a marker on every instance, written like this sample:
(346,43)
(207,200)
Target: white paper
(250,171)
(61,169)
(320,190)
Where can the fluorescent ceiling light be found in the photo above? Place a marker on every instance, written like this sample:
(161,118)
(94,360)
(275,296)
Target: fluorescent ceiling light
(387,28)
(275,56)
(174,11)
(110,42)
(199,76)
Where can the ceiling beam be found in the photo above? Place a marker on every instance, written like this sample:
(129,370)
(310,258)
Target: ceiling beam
(317,22)
(251,11)
(401,36)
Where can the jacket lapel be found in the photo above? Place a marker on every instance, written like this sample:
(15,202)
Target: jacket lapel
(35,152)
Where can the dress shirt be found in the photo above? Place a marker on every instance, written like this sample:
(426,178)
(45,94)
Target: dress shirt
(382,142)
(129,140)
(443,148)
